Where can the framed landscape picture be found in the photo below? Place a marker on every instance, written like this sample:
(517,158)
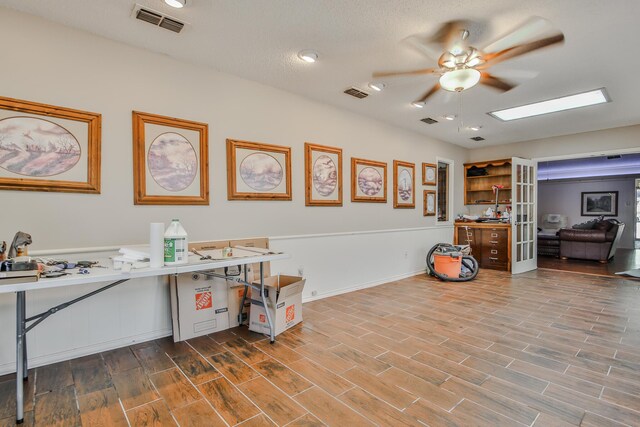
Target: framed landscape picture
(404,195)
(323,175)
(429,174)
(429,206)
(257,171)
(170,161)
(48,148)
(598,203)
(368,181)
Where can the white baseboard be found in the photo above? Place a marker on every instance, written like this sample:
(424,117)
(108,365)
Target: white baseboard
(87,350)
(364,285)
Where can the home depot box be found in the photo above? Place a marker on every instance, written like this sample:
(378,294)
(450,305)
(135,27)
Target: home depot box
(253,270)
(203,246)
(284,302)
(235,299)
(199,305)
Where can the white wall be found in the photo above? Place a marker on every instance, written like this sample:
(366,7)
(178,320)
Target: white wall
(49,63)
(564,197)
(623,138)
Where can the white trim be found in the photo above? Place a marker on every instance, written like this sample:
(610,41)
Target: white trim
(365,285)
(48,359)
(450,196)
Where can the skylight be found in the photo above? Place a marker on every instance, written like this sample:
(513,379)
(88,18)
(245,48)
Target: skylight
(598,96)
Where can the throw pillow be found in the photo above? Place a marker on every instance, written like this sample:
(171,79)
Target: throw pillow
(588,225)
(603,225)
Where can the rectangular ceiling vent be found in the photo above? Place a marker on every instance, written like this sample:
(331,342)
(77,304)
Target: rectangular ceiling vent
(429,120)
(356,93)
(157,18)
(478,138)
(615,156)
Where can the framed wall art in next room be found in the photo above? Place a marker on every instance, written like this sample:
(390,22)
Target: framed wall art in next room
(323,175)
(257,171)
(596,203)
(48,148)
(170,161)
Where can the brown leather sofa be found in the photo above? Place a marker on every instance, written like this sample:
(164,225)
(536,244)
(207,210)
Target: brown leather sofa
(598,243)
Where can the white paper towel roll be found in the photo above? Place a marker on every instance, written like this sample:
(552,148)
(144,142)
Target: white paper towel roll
(156,244)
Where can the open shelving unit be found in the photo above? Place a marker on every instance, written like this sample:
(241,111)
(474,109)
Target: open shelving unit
(477,189)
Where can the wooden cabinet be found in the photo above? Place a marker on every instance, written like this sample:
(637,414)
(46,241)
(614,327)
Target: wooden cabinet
(490,243)
(479,177)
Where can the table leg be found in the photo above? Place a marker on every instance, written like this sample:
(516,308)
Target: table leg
(272,334)
(244,295)
(20,336)
(25,365)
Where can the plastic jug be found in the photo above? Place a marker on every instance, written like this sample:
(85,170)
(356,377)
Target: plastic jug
(176,244)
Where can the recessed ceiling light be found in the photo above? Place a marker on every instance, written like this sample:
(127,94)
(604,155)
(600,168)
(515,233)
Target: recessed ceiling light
(450,116)
(418,104)
(475,128)
(598,96)
(377,86)
(176,3)
(308,56)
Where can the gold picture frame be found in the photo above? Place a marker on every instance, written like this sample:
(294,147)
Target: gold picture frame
(429,203)
(258,171)
(404,185)
(322,175)
(170,160)
(429,174)
(368,181)
(49,148)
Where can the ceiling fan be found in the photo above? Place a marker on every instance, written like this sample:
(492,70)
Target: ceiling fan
(462,66)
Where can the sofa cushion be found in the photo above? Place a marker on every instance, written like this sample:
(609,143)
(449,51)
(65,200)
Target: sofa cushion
(603,225)
(578,235)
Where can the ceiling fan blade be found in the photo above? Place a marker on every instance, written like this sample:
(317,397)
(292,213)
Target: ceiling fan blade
(530,29)
(406,73)
(512,52)
(430,92)
(420,43)
(495,82)
(449,33)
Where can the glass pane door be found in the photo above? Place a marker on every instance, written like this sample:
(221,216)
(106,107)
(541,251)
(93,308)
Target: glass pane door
(524,218)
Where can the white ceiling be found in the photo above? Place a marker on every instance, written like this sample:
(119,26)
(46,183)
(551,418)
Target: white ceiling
(259,40)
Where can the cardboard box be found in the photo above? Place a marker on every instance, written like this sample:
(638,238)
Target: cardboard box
(284,302)
(199,305)
(235,298)
(253,270)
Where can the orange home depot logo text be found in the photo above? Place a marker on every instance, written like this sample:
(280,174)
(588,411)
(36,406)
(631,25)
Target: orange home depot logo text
(290,314)
(203,300)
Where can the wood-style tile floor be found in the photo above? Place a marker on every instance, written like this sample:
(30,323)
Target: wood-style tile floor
(543,348)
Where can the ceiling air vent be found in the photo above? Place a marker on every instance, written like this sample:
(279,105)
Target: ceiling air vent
(157,18)
(477,138)
(356,93)
(615,156)
(171,25)
(429,120)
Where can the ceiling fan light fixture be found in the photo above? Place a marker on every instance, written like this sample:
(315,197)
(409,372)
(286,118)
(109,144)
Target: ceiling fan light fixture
(178,4)
(308,56)
(417,104)
(377,86)
(459,80)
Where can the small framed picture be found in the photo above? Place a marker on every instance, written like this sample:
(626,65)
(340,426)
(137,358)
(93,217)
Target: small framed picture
(596,203)
(403,185)
(429,207)
(170,161)
(368,181)
(48,148)
(257,171)
(429,174)
(322,175)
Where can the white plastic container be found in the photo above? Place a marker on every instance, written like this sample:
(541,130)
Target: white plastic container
(176,244)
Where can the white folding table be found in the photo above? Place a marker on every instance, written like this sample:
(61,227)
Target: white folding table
(116,277)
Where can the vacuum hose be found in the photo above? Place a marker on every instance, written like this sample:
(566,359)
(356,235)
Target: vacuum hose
(467,261)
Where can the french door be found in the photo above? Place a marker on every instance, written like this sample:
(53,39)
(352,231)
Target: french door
(524,187)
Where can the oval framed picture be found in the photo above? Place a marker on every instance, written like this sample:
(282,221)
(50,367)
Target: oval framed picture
(429,199)
(323,175)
